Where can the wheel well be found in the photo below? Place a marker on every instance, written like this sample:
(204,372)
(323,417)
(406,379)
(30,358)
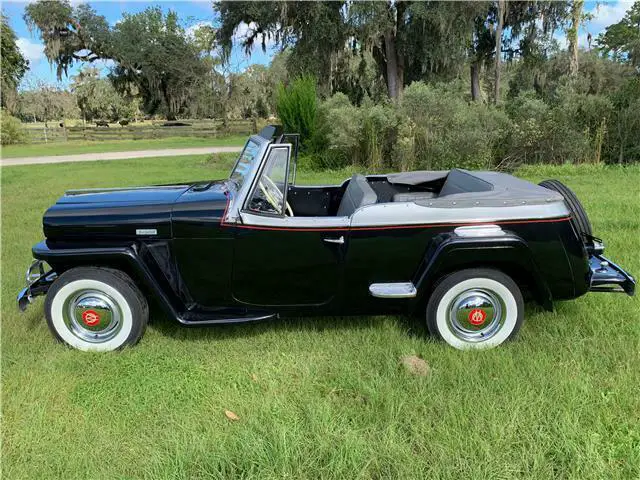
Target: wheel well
(118,264)
(522,277)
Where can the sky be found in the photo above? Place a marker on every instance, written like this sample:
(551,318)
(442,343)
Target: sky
(193,13)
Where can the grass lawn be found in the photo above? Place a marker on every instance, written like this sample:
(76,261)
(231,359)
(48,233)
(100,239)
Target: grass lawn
(321,398)
(73,147)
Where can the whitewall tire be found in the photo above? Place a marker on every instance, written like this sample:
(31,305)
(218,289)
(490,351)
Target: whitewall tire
(475,308)
(96,309)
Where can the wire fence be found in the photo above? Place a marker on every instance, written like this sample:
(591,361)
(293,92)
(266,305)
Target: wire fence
(111,132)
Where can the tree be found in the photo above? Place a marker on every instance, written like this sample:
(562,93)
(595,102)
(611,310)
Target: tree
(621,40)
(572,34)
(314,31)
(151,50)
(519,26)
(42,101)
(14,66)
(97,99)
(407,40)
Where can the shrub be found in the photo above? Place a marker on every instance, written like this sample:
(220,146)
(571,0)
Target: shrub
(11,130)
(445,131)
(297,107)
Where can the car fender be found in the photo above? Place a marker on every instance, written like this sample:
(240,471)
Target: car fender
(506,252)
(133,259)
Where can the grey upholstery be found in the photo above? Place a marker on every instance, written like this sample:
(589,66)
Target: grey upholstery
(412,196)
(358,194)
(459,181)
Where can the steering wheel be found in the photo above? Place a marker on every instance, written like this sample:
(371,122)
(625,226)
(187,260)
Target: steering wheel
(273,194)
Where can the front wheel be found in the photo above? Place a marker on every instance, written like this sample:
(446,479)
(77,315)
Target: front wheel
(475,308)
(96,309)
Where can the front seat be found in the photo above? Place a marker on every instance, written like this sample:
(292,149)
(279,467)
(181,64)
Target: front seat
(358,194)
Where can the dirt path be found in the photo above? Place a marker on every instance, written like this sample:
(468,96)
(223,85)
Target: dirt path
(90,157)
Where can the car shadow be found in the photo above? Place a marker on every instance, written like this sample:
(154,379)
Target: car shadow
(161,323)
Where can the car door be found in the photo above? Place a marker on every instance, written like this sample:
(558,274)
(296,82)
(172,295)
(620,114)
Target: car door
(281,260)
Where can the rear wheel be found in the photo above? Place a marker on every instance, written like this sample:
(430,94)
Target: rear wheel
(475,308)
(96,309)
(579,218)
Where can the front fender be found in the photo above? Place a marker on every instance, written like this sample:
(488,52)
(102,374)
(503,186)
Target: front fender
(508,253)
(133,259)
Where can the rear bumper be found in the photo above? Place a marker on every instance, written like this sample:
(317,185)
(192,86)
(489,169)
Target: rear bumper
(606,276)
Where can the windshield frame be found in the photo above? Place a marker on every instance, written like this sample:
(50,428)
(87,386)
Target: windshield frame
(259,143)
(242,189)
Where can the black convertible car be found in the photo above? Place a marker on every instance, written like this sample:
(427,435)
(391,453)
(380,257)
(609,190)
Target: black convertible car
(461,249)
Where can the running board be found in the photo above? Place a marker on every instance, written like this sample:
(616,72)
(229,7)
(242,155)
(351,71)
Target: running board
(393,290)
(201,319)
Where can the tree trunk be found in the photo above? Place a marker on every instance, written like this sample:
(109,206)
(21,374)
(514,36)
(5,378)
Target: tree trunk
(572,34)
(475,81)
(392,64)
(502,7)
(400,47)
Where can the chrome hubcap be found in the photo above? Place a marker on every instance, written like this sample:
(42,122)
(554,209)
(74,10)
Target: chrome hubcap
(476,315)
(92,316)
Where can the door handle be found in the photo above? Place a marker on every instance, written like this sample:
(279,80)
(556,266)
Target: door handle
(339,240)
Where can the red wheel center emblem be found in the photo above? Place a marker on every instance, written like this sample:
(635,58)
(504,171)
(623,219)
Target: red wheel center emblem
(90,318)
(477,316)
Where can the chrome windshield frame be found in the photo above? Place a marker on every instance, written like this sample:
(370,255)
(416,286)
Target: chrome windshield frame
(233,212)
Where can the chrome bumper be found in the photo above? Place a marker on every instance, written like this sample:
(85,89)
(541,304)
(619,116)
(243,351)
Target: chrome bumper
(606,276)
(38,283)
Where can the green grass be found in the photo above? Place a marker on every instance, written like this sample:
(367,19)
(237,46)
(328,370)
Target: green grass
(77,147)
(321,397)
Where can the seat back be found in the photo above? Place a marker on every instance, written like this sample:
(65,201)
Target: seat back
(459,181)
(358,194)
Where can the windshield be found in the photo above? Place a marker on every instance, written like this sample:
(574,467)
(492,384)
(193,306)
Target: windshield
(245,162)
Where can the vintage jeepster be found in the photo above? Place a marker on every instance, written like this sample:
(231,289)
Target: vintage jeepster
(462,250)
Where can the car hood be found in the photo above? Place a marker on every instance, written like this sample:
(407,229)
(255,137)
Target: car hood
(136,195)
(124,213)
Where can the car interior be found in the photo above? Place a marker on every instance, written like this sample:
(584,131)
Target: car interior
(344,200)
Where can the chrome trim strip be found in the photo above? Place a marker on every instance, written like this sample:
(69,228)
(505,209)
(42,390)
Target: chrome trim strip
(293,222)
(479,231)
(393,290)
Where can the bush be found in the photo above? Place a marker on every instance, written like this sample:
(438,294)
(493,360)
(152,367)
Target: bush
(353,135)
(11,130)
(297,108)
(444,131)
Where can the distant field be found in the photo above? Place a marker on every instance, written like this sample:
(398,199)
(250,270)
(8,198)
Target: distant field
(321,397)
(73,147)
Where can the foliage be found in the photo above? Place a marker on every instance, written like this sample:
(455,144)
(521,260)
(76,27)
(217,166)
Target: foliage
(98,99)
(450,132)
(297,107)
(11,130)
(153,56)
(622,40)
(45,102)
(14,65)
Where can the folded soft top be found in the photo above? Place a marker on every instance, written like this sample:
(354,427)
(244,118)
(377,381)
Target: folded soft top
(462,188)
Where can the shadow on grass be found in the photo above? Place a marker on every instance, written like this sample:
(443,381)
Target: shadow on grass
(161,323)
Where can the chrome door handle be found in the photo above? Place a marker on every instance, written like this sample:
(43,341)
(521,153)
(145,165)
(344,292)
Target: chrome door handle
(339,240)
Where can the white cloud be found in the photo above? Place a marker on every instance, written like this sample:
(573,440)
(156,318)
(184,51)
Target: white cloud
(607,14)
(34,52)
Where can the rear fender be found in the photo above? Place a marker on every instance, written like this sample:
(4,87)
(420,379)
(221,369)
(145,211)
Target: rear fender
(508,253)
